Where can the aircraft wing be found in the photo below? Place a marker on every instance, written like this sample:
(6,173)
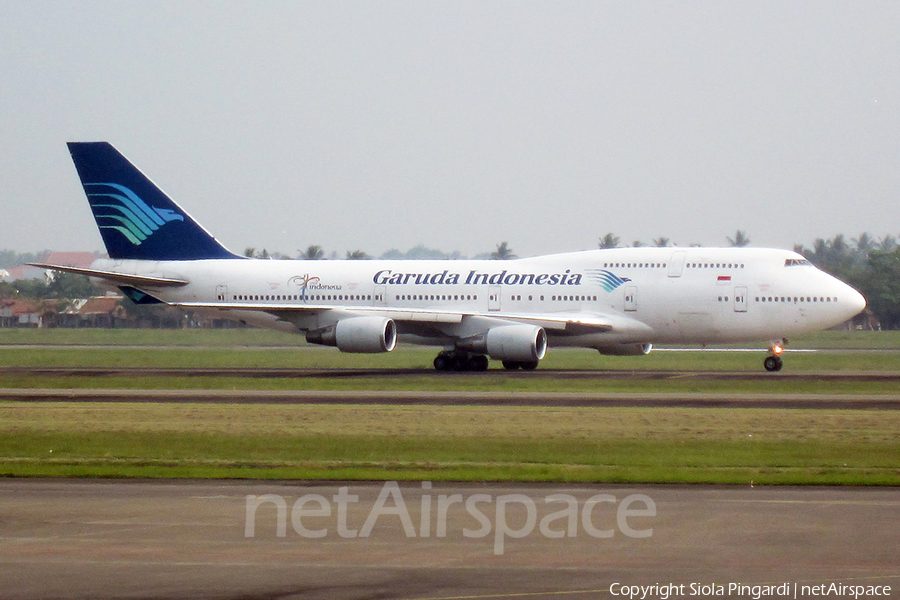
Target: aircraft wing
(555,324)
(120,278)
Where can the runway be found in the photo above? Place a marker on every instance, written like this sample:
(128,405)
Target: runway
(488,396)
(490,375)
(466,398)
(184,539)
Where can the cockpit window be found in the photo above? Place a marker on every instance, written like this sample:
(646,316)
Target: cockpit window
(797,262)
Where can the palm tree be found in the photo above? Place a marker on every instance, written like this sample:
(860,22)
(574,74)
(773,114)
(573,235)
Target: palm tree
(661,242)
(313,253)
(357,255)
(503,252)
(740,240)
(865,243)
(839,245)
(609,241)
(820,248)
(887,243)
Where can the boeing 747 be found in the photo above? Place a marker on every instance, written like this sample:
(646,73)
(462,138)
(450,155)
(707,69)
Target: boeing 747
(615,301)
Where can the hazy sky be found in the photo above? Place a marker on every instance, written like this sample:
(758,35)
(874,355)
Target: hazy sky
(378,125)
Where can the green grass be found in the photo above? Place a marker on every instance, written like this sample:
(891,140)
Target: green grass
(421,358)
(258,348)
(455,443)
(440,442)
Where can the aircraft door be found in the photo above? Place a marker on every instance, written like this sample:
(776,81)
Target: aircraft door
(630,298)
(676,264)
(379,298)
(494,298)
(221,293)
(740,299)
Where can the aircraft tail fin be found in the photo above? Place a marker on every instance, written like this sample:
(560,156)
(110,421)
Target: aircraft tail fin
(137,220)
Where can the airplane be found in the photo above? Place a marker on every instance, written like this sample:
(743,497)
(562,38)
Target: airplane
(618,301)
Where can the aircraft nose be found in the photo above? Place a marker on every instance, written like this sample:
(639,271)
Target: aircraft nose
(855,302)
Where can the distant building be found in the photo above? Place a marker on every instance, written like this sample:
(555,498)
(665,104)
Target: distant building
(15,312)
(99,311)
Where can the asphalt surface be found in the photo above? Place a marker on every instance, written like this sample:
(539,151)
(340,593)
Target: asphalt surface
(599,375)
(599,398)
(464,398)
(153,540)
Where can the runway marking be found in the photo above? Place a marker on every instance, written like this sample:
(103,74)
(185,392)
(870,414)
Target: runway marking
(217,497)
(754,350)
(827,502)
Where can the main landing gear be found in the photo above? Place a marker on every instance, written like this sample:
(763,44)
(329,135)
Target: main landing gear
(460,361)
(463,361)
(773,362)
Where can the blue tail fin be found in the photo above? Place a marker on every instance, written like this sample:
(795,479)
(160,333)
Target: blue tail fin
(136,219)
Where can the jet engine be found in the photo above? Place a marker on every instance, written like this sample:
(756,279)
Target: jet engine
(358,334)
(626,349)
(521,343)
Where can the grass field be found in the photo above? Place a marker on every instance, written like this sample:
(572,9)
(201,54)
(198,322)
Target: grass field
(439,442)
(258,348)
(459,443)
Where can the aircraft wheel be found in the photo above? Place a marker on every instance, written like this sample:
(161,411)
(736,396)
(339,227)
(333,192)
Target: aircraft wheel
(529,365)
(442,362)
(510,365)
(773,363)
(459,362)
(478,362)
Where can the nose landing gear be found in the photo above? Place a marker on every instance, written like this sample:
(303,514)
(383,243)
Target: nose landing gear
(773,362)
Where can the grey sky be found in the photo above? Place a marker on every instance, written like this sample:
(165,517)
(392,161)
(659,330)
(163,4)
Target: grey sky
(460,124)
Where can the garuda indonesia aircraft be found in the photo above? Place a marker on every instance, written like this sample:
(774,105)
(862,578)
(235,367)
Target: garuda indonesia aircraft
(617,301)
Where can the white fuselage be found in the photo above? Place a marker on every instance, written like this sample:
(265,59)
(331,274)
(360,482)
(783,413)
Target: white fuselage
(647,295)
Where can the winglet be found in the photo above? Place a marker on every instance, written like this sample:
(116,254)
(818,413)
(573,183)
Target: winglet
(136,219)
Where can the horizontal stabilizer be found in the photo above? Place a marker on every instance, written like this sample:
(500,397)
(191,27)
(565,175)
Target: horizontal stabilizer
(121,278)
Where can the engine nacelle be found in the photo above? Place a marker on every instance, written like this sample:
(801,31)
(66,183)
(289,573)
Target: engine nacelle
(522,343)
(626,349)
(358,334)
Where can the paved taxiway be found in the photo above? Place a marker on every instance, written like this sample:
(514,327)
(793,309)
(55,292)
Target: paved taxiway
(737,399)
(464,398)
(113,539)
